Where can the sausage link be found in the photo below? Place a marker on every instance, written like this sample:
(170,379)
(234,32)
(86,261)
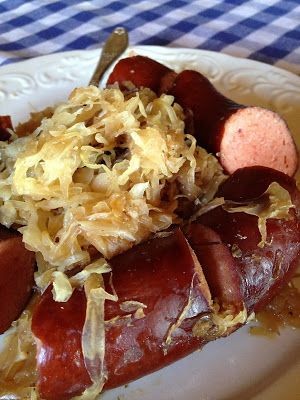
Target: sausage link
(164,275)
(241,136)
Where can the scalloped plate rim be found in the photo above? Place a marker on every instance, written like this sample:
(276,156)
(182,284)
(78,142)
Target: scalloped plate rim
(94,52)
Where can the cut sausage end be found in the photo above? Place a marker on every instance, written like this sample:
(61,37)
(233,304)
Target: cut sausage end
(256,136)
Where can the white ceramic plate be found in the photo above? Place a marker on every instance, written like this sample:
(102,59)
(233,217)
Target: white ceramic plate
(238,367)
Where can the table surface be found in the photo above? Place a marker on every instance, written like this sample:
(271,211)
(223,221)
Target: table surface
(263,30)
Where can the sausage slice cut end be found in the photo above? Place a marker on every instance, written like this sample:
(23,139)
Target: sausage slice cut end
(256,136)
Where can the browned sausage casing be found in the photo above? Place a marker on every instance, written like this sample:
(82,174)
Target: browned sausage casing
(141,71)
(16,276)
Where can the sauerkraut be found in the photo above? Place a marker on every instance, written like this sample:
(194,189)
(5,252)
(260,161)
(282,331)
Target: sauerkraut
(104,171)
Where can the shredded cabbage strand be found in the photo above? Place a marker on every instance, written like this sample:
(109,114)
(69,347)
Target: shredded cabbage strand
(93,334)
